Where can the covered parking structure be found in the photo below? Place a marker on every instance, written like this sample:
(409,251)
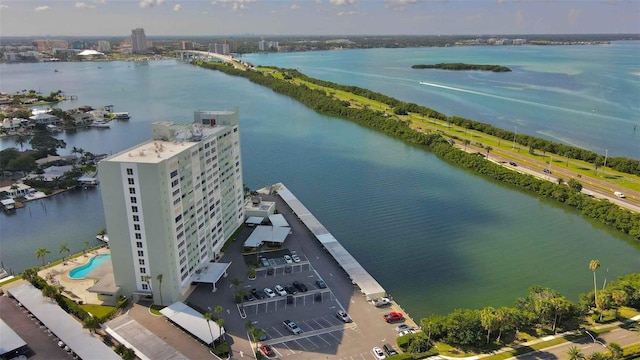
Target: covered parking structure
(270,234)
(358,275)
(211,273)
(193,322)
(10,342)
(61,324)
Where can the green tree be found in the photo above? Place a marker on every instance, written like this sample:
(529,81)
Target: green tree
(41,253)
(488,148)
(209,316)
(598,356)
(489,320)
(418,343)
(92,323)
(47,144)
(159,278)
(49,291)
(20,140)
(615,350)
(64,248)
(574,353)
(575,185)
(220,323)
(594,265)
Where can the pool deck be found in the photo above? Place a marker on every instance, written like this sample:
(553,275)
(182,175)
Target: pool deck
(78,289)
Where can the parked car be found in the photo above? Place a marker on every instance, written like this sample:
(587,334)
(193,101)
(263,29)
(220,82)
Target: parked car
(270,271)
(288,268)
(269,292)
(265,262)
(405,332)
(321,284)
(295,258)
(288,259)
(290,299)
(300,286)
(267,350)
(258,294)
(378,353)
(249,297)
(290,290)
(403,327)
(619,194)
(546,171)
(382,302)
(340,314)
(512,163)
(291,326)
(393,316)
(280,290)
(389,350)
(263,335)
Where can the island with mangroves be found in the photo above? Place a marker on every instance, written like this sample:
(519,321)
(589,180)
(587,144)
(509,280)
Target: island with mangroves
(462,66)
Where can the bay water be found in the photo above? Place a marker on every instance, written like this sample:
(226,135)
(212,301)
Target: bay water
(435,236)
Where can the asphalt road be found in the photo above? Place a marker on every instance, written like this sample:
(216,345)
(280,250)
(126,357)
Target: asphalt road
(586,344)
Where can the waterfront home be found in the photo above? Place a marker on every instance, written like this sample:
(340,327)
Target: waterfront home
(8,205)
(45,119)
(16,190)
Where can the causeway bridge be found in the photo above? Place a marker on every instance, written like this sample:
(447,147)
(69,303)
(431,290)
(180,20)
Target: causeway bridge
(195,54)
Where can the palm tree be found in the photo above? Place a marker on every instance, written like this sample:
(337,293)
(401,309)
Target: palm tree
(236,282)
(64,248)
(466,142)
(574,353)
(594,265)
(86,246)
(20,140)
(488,148)
(159,278)
(49,291)
(41,253)
(91,323)
(615,350)
(218,310)
(209,316)
(220,323)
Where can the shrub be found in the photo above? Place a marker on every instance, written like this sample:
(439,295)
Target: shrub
(221,349)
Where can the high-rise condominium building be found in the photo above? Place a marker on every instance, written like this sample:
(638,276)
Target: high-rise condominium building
(138,41)
(171,202)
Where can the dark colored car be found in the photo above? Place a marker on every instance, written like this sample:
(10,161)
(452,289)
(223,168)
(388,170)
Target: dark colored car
(258,294)
(290,290)
(321,284)
(389,350)
(546,171)
(249,297)
(270,271)
(512,163)
(300,286)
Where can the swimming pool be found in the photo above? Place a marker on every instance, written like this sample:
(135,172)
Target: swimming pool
(81,272)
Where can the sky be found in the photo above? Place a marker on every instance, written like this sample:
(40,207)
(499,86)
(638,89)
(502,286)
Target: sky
(316,17)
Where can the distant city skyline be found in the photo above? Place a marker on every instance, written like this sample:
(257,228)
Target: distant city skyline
(315,17)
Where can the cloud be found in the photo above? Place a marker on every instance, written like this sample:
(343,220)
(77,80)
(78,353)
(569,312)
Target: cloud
(573,15)
(235,4)
(346,13)
(3,6)
(84,5)
(520,18)
(150,3)
(294,7)
(501,1)
(343,2)
(101,1)
(239,6)
(42,8)
(177,7)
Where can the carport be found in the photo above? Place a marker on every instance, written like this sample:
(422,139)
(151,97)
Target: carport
(211,273)
(270,234)
(192,321)
(278,220)
(10,342)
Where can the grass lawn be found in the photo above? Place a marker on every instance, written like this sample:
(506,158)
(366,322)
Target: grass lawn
(99,311)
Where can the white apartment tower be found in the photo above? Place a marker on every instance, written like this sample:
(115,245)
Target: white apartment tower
(138,41)
(171,203)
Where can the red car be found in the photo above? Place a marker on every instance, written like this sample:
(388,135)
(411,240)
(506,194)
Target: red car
(393,316)
(267,350)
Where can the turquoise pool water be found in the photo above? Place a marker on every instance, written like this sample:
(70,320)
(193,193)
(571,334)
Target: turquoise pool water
(81,272)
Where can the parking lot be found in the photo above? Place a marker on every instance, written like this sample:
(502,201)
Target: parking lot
(323,335)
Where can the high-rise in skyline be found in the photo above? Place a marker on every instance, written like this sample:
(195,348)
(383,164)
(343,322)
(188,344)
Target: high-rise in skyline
(138,41)
(171,202)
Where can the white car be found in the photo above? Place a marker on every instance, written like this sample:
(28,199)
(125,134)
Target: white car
(288,259)
(403,327)
(405,332)
(378,353)
(295,258)
(280,290)
(269,292)
(343,316)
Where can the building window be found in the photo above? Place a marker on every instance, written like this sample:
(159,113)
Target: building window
(130,181)
(129,171)
(174,173)
(136,218)
(134,209)
(132,190)
(145,287)
(139,244)
(134,200)
(143,270)
(141,261)
(178,218)
(136,227)
(138,236)
(140,253)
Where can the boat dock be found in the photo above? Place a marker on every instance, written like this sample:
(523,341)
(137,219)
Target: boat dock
(358,275)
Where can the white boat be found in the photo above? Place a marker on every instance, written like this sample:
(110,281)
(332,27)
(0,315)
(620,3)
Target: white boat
(100,124)
(103,237)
